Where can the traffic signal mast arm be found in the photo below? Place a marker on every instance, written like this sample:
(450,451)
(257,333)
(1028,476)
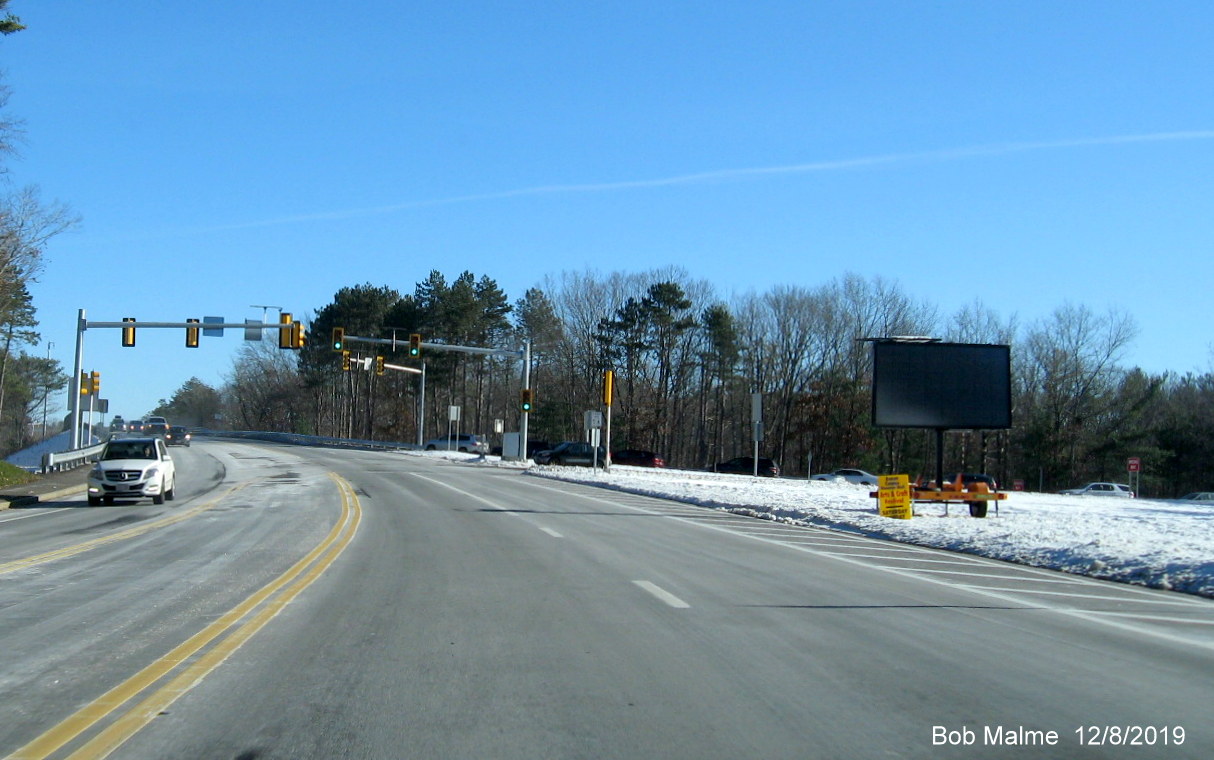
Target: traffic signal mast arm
(514,353)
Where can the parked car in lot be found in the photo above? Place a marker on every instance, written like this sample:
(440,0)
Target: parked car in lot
(458,442)
(178,435)
(968,479)
(746,466)
(1199,496)
(851,475)
(637,458)
(1101,489)
(132,468)
(573,453)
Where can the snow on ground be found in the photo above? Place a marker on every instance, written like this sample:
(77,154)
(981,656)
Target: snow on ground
(1164,544)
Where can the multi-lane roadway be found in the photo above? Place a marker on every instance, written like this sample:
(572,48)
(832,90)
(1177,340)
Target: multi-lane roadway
(312,603)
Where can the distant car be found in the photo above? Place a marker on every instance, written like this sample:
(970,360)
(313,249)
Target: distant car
(132,468)
(178,435)
(850,475)
(134,426)
(158,429)
(151,420)
(968,479)
(637,458)
(117,425)
(1101,489)
(572,453)
(746,466)
(1199,496)
(465,442)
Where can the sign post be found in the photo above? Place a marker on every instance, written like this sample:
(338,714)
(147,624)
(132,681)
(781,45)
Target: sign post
(1133,466)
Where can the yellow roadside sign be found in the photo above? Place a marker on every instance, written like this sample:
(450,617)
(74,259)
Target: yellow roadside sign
(894,496)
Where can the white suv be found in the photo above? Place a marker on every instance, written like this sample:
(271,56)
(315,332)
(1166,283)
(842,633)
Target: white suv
(458,442)
(133,468)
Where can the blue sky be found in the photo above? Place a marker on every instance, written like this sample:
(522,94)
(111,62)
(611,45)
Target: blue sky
(227,154)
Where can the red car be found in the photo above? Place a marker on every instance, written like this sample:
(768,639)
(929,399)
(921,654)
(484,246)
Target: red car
(637,458)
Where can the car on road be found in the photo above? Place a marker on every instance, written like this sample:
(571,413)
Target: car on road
(572,453)
(850,474)
(134,426)
(464,442)
(133,468)
(1101,489)
(637,458)
(746,466)
(158,429)
(178,435)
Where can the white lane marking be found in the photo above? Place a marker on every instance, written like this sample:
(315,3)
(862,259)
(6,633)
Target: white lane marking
(664,595)
(489,504)
(992,576)
(917,560)
(1001,595)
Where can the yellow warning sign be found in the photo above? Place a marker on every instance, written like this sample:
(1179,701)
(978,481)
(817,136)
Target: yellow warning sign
(894,496)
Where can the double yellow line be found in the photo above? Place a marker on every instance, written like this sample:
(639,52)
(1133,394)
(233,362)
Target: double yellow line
(255,612)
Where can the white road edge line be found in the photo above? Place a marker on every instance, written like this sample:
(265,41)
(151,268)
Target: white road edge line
(663,595)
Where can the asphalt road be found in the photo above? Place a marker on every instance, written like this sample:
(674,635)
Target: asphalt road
(441,610)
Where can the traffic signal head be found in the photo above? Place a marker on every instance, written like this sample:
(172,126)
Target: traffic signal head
(524,400)
(284,332)
(339,338)
(298,337)
(86,384)
(95,382)
(415,344)
(128,333)
(191,334)
(379,365)
(345,361)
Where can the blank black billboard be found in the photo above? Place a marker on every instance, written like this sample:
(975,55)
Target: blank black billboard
(942,385)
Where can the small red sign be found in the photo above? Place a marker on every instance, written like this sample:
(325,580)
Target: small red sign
(1134,464)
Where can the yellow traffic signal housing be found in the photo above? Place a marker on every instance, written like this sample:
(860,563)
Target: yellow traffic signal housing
(284,332)
(379,365)
(339,339)
(345,361)
(128,333)
(524,399)
(191,334)
(95,382)
(298,338)
(86,384)
(415,344)
(608,385)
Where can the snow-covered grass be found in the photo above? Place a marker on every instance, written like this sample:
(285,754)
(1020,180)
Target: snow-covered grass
(1157,543)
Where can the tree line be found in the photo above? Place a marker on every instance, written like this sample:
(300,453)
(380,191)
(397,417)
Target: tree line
(686,364)
(27,224)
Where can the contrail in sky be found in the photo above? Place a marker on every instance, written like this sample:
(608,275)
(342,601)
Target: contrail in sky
(726,175)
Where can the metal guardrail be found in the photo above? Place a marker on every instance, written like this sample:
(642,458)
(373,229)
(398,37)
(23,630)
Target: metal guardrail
(57,461)
(297,439)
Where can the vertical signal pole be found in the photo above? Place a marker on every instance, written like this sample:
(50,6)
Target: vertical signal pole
(522,424)
(608,382)
(73,392)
